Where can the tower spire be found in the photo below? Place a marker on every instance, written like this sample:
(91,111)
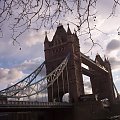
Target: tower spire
(46,38)
(68,30)
(75,34)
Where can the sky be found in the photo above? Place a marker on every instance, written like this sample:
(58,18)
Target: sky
(16,63)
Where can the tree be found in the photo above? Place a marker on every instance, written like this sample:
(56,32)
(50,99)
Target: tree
(35,14)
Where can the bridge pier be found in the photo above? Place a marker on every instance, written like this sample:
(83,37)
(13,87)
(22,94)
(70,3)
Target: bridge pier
(23,116)
(90,110)
(49,114)
(19,116)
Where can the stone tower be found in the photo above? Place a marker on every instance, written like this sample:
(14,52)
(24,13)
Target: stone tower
(102,83)
(62,44)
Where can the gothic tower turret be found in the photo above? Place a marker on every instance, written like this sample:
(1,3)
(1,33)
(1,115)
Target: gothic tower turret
(111,92)
(62,44)
(104,80)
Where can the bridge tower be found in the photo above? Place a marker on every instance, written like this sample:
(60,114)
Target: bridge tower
(102,83)
(62,44)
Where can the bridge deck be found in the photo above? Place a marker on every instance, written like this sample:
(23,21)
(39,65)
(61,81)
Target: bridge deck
(15,106)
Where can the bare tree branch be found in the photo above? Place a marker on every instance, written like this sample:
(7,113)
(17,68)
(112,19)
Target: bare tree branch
(24,15)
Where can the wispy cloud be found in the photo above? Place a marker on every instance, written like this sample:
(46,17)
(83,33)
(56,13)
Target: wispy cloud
(113,45)
(8,76)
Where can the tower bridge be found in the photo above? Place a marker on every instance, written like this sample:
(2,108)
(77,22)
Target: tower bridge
(64,74)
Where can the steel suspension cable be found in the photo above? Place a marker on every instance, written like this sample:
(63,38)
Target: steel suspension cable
(67,80)
(52,93)
(55,74)
(118,95)
(63,83)
(58,89)
(37,71)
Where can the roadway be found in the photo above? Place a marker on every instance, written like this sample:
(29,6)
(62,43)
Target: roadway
(18,106)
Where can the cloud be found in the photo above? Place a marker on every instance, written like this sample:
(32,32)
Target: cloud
(30,65)
(17,73)
(116,78)
(16,64)
(115,62)
(87,84)
(8,76)
(87,87)
(34,38)
(12,56)
(112,51)
(113,45)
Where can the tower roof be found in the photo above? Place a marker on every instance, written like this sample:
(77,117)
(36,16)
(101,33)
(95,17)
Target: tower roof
(99,60)
(60,34)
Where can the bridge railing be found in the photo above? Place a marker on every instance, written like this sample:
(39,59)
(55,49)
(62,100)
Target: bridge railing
(33,103)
